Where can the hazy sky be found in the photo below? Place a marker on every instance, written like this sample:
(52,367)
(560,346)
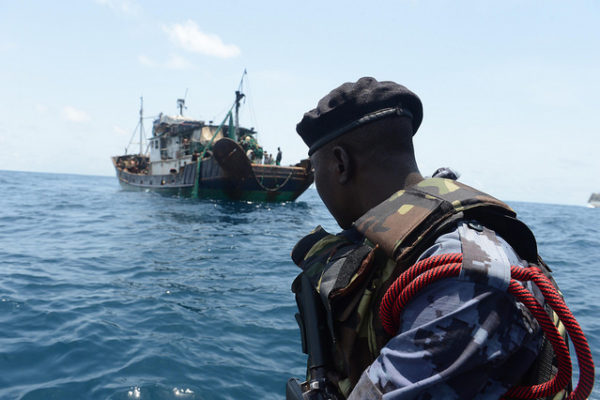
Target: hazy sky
(510,88)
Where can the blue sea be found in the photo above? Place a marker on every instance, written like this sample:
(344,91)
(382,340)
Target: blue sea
(111,294)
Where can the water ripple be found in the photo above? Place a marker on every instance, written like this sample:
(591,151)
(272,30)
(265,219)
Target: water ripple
(108,294)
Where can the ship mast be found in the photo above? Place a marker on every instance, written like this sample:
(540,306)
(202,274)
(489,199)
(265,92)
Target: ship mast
(141,125)
(238,97)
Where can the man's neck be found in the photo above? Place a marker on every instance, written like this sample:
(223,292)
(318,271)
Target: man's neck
(376,192)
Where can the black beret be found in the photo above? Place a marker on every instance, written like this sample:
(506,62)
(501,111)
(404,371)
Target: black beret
(355,104)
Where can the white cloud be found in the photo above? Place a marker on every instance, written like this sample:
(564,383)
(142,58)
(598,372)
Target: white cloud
(74,115)
(189,37)
(41,108)
(146,61)
(177,62)
(126,7)
(173,62)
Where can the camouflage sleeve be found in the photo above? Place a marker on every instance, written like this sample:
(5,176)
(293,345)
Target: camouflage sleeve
(458,340)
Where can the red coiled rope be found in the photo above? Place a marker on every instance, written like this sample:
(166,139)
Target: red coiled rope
(435,268)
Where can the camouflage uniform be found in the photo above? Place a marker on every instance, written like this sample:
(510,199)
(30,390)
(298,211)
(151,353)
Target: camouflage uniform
(463,337)
(458,339)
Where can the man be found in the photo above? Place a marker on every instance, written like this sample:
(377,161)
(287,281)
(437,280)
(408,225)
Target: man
(278,158)
(458,338)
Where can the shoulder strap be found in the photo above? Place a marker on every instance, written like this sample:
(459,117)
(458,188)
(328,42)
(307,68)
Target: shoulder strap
(306,243)
(407,217)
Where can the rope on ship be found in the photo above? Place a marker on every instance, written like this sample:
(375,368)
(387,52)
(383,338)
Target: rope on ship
(276,187)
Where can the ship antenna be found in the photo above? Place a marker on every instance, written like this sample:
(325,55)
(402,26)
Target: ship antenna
(238,96)
(181,103)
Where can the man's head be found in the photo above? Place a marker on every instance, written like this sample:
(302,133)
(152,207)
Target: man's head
(360,143)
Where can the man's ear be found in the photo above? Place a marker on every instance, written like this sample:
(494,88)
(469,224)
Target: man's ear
(343,164)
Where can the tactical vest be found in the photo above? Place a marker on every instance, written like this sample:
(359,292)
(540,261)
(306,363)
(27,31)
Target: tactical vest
(351,271)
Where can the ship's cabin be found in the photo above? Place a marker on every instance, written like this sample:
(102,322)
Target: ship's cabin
(177,141)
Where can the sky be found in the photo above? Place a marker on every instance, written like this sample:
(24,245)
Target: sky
(510,88)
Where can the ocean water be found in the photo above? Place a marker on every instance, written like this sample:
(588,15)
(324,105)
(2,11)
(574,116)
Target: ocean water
(110,294)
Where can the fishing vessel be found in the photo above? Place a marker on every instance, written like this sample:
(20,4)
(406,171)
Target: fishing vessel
(188,157)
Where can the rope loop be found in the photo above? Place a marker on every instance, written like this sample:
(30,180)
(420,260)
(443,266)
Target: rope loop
(435,268)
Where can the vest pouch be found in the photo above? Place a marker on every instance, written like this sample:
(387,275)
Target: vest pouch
(349,312)
(351,282)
